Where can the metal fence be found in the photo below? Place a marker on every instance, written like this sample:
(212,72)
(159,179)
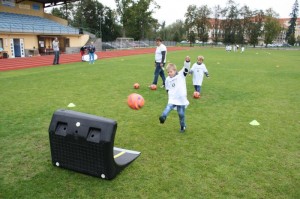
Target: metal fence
(133,44)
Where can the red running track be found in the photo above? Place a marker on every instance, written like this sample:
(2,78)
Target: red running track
(47,60)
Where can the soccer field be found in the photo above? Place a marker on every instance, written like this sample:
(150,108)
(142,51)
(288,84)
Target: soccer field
(221,155)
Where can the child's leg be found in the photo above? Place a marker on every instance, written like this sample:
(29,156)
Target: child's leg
(181,114)
(166,112)
(199,88)
(157,71)
(162,75)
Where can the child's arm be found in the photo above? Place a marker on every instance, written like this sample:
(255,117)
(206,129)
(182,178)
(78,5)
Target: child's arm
(187,65)
(206,72)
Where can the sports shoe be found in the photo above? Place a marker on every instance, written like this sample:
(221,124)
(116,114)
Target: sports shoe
(162,119)
(162,86)
(182,129)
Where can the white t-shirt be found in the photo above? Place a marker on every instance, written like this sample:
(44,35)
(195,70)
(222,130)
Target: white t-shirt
(176,87)
(55,45)
(158,55)
(198,73)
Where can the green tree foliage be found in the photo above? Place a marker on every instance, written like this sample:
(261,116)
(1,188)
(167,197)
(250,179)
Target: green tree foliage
(254,28)
(272,26)
(244,23)
(58,12)
(192,38)
(95,18)
(197,18)
(217,24)
(65,12)
(290,35)
(110,29)
(202,22)
(173,32)
(133,18)
(136,17)
(298,40)
(190,17)
(230,24)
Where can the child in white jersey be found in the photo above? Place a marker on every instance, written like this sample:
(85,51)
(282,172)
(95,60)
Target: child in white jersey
(175,85)
(198,70)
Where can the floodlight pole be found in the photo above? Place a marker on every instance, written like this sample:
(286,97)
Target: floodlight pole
(100,16)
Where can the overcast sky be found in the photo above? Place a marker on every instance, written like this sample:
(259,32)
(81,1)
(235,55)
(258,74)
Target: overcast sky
(171,10)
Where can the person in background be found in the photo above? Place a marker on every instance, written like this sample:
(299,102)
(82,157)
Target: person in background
(91,49)
(82,50)
(160,61)
(55,46)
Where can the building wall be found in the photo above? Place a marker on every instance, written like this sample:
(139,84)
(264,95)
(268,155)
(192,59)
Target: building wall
(284,22)
(30,41)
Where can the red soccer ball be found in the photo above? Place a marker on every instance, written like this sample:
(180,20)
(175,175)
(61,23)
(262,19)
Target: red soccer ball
(196,95)
(136,86)
(153,87)
(135,101)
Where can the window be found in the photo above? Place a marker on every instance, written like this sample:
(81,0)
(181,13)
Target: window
(1,43)
(67,41)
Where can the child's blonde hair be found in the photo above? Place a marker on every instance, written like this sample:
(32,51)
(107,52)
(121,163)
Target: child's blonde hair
(200,57)
(171,66)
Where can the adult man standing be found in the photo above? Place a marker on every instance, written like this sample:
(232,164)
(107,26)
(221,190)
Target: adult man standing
(55,46)
(160,61)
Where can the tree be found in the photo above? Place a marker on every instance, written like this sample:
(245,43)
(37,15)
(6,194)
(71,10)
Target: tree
(272,26)
(136,17)
(230,23)
(217,24)
(191,37)
(58,12)
(254,29)
(197,19)
(64,12)
(202,22)
(190,17)
(298,40)
(290,35)
(244,23)
(173,32)
(96,18)
(110,30)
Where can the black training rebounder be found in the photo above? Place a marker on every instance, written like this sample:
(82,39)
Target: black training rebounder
(85,143)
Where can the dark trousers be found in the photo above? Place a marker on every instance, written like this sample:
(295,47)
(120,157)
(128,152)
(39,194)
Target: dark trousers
(180,111)
(197,88)
(158,72)
(56,57)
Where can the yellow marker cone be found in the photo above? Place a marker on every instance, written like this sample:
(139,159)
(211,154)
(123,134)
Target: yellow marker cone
(71,105)
(254,123)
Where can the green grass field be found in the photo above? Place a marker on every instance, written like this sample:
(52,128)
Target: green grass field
(219,156)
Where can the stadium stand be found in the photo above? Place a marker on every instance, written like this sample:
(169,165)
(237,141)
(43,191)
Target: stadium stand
(12,22)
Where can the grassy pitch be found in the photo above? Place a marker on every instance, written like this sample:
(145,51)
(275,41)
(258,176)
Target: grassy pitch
(219,156)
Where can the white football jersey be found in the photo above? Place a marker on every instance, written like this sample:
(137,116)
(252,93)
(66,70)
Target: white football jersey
(198,73)
(158,55)
(176,87)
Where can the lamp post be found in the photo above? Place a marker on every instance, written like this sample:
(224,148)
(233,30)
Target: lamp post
(100,16)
